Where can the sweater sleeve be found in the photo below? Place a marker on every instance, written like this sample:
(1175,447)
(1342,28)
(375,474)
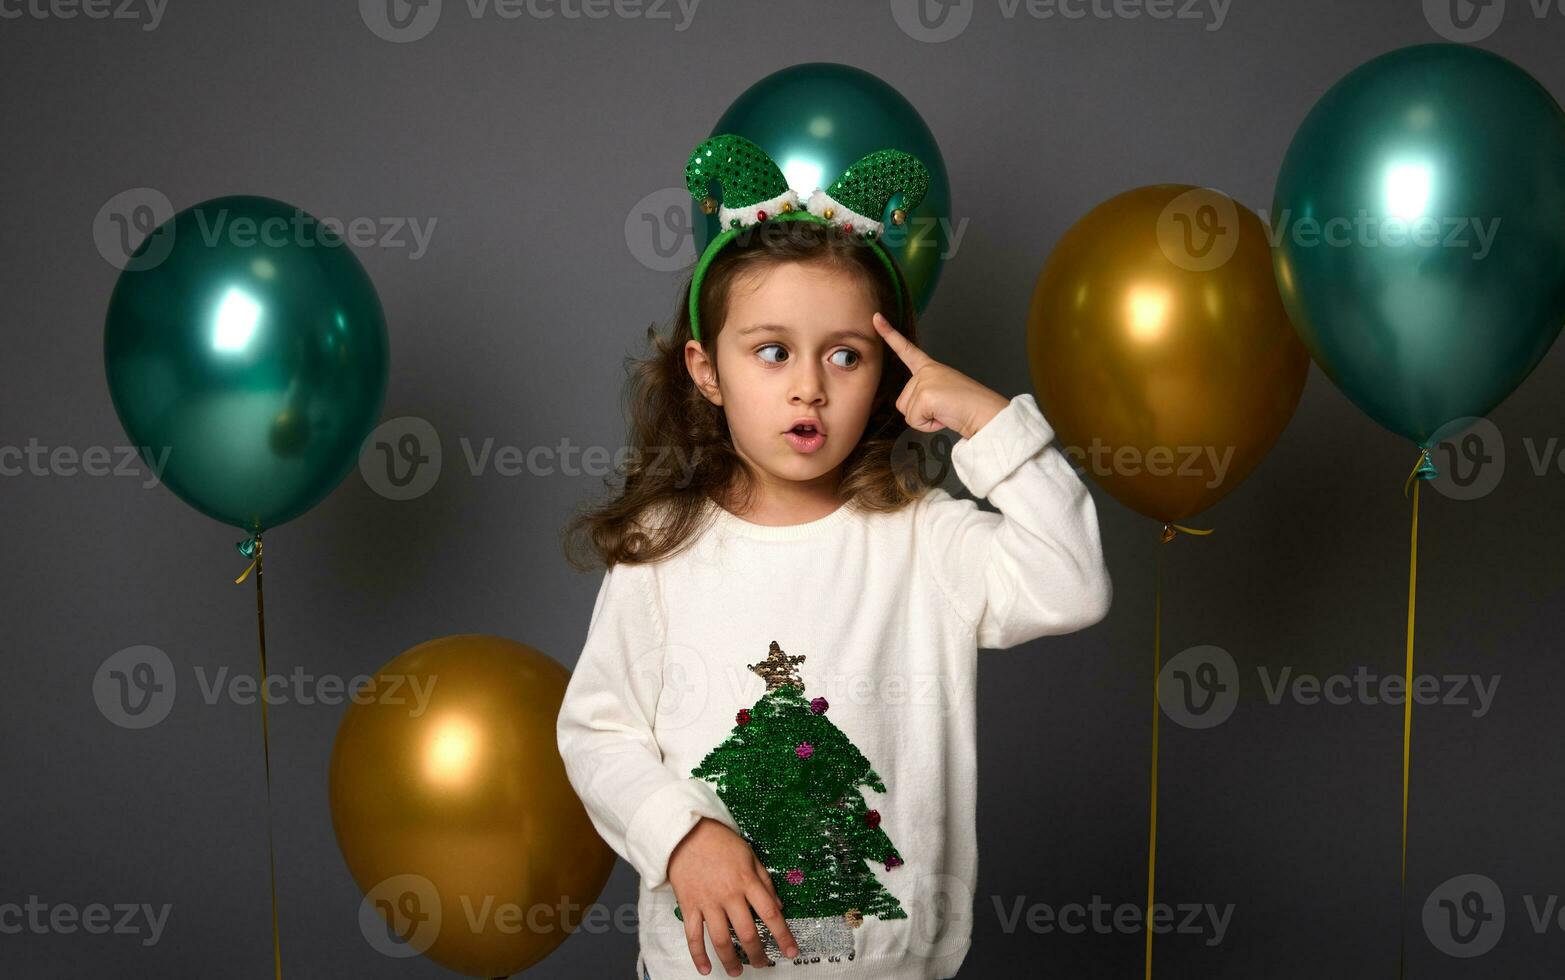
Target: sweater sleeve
(640,807)
(1035,568)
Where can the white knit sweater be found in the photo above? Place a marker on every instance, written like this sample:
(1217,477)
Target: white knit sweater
(888,611)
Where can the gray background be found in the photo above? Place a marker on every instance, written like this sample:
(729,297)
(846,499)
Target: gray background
(531,142)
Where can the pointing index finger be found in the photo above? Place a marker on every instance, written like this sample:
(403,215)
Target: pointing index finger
(904,348)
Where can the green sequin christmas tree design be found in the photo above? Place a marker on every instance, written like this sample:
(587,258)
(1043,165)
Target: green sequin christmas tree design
(794,784)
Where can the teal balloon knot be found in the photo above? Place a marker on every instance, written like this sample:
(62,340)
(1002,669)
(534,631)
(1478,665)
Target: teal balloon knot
(1426,466)
(246,547)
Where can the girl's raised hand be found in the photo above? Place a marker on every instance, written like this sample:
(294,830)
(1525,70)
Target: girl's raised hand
(937,396)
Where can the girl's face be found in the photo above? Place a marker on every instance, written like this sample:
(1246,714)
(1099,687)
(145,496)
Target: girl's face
(798,342)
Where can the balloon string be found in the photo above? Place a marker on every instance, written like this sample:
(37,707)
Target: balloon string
(1169,529)
(1157,669)
(266,748)
(1407,712)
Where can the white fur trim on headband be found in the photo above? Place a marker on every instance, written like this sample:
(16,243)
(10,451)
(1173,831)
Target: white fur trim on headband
(747,215)
(840,213)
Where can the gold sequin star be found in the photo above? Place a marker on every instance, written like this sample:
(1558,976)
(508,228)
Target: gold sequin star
(778,668)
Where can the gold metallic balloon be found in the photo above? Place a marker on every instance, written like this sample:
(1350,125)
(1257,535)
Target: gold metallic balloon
(1160,348)
(452,809)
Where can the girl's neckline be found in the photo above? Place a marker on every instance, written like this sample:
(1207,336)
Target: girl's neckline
(780,532)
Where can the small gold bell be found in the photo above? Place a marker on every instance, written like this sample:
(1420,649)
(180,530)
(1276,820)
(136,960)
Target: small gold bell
(709,205)
(787,206)
(828,212)
(898,216)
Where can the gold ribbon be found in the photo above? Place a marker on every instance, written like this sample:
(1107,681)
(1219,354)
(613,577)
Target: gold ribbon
(1407,704)
(266,748)
(1169,529)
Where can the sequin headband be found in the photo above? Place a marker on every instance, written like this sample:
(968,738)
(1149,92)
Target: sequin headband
(754,190)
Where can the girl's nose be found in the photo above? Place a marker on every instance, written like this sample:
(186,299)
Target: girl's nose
(808,385)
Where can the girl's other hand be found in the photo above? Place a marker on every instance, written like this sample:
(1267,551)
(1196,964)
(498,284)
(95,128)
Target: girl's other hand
(717,880)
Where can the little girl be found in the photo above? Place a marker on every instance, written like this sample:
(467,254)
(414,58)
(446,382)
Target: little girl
(772,718)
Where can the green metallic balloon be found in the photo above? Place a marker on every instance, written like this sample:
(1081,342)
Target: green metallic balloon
(1419,235)
(817,119)
(247,355)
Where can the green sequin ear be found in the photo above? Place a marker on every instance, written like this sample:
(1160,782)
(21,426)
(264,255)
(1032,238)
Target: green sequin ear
(867,187)
(748,176)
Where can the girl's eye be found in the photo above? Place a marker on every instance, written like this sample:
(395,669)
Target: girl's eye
(782,355)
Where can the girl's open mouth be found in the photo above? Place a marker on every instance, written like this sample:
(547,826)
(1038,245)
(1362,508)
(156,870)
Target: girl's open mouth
(805,438)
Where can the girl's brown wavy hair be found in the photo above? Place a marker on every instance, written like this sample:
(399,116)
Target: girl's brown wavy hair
(682,454)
